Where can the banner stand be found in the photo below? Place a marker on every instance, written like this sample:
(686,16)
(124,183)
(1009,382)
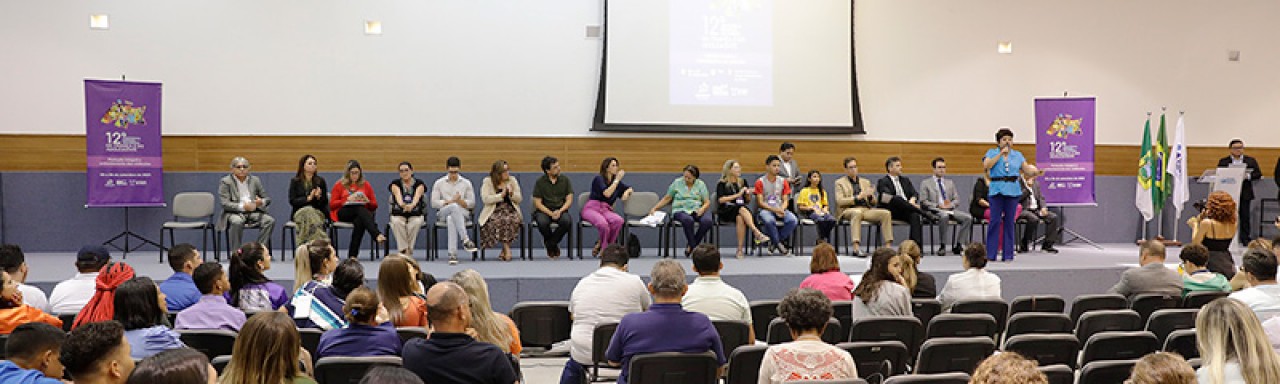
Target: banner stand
(1062,216)
(1065,141)
(126,235)
(123,152)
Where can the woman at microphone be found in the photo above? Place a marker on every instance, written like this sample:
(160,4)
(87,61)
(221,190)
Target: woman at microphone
(1003,165)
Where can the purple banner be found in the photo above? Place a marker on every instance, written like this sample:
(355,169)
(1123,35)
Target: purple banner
(122,138)
(1064,149)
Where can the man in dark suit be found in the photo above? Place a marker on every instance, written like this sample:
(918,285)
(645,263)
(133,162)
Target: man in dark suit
(1239,160)
(899,197)
(1034,210)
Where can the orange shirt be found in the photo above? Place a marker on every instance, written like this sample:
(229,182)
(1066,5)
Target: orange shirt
(415,314)
(11,318)
(515,334)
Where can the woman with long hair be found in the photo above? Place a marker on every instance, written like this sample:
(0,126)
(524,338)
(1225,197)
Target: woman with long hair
(1233,346)
(101,306)
(734,198)
(353,201)
(326,304)
(314,263)
(606,189)
(500,218)
(922,285)
(267,351)
(408,207)
(363,335)
(13,312)
(310,201)
(251,290)
(825,275)
(1213,228)
(396,285)
(174,366)
(314,268)
(807,358)
(689,201)
(491,327)
(881,293)
(812,202)
(139,306)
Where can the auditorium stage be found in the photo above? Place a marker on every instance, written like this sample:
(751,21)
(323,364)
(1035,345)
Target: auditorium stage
(1078,269)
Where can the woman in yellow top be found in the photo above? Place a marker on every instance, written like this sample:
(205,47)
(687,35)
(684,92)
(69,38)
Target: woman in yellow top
(812,203)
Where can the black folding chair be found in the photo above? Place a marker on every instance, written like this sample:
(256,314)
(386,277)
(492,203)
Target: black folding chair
(1106,372)
(1046,349)
(210,342)
(1118,346)
(674,367)
(1165,321)
(953,354)
(1182,342)
(763,312)
(877,358)
(1086,303)
(1037,303)
(744,364)
(961,325)
(1107,320)
(350,370)
(1037,322)
(1197,299)
(1147,303)
(542,323)
(937,378)
(925,309)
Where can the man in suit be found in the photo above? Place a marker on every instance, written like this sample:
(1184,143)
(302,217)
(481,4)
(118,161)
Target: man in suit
(1238,159)
(790,170)
(1151,276)
(939,195)
(897,195)
(1034,211)
(856,201)
(244,202)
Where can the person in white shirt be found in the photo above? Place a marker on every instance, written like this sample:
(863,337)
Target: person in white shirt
(70,296)
(805,311)
(1263,295)
(974,283)
(14,262)
(454,197)
(604,296)
(710,295)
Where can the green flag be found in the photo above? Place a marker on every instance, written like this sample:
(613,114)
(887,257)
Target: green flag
(1161,187)
(1143,196)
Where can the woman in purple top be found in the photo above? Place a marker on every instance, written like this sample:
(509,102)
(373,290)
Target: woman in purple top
(251,291)
(140,307)
(363,336)
(605,190)
(825,275)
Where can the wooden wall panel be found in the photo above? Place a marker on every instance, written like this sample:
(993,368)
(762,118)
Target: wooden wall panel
(578,154)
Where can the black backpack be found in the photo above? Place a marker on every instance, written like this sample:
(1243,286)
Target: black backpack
(633,246)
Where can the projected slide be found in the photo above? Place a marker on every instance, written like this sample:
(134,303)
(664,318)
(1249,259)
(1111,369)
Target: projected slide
(721,52)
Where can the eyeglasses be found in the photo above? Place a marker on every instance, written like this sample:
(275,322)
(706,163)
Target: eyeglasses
(241,167)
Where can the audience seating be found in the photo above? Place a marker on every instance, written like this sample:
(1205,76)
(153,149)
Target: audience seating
(1037,303)
(1182,342)
(349,370)
(673,367)
(191,210)
(953,354)
(961,325)
(925,309)
(220,363)
(733,334)
(310,340)
(901,328)
(1165,321)
(998,309)
(636,208)
(1118,346)
(1058,374)
(763,312)
(1086,303)
(410,333)
(600,338)
(779,333)
(1048,349)
(1195,363)
(843,311)
(210,342)
(1106,372)
(1107,320)
(877,359)
(1147,303)
(67,320)
(1037,322)
(1197,299)
(744,364)
(542,323)
(939,378)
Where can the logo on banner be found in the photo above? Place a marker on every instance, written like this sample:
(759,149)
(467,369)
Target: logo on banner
(1064,126)
(122,114)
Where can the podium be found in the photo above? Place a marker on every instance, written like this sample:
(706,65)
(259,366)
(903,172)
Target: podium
(1229,180)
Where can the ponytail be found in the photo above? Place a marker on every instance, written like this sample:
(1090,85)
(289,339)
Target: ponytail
(362,306)
(244,269)
(308,257)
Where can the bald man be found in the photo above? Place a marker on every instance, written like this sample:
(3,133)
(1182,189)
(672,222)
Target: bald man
(450,355)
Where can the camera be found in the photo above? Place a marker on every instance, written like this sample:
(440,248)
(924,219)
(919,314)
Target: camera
(1199,204)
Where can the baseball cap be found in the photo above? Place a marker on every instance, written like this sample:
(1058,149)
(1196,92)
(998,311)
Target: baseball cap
(93,253)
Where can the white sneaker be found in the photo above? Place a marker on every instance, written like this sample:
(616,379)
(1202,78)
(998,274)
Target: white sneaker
(453,259)
(469,246)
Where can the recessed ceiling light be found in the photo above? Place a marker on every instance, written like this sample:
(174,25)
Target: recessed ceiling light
(1005,47)
(99,22)
(372,27)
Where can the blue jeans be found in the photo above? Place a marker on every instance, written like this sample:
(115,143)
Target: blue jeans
(1004,210)
(687,220)
(574,373)
(769,224)
(825,223)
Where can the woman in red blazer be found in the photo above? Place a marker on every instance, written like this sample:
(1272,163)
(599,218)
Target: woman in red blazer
(353,201)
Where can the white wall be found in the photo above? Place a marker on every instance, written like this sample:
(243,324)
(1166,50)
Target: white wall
(928,69)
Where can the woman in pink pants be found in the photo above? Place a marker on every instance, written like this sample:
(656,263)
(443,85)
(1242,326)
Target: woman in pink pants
(605,190)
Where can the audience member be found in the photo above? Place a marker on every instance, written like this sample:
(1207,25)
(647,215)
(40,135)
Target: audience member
(1263,295)
(922,285)
(102,306)
(212,311)
(174,366)
(71,295)
(856,201)
(14,262)
(606,189)
(408,208)
(1214,228)
(450,355)
(313,265)
(1233,347)
(1007,368)
(773,197)
(490,327)
(1238,159)
(384,374)
(13,312)
(354,201)
(500,219)
(881,293)
(552,198)
(363,335)
(711,296)
(1196,276)
(812,203)
(1162,368)
(31,355)
(1035,211)
(396,286)
(309,199)
(97,353)
(974,283)
(268,351)
(244,203)
(1151,276)
(787,167)
(806,312)
(899,197)
(453,198)
(604,296)
(825,275)
(179,290)
(325,306)
(734,197)
(939,196)
(139,306)
(251,290)
(665,327)
(1002,167)
(689,201)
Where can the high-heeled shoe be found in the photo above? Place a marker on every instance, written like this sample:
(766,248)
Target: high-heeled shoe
(762,238)
(595,251)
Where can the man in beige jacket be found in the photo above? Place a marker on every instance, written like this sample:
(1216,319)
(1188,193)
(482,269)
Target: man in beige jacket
(855,201)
